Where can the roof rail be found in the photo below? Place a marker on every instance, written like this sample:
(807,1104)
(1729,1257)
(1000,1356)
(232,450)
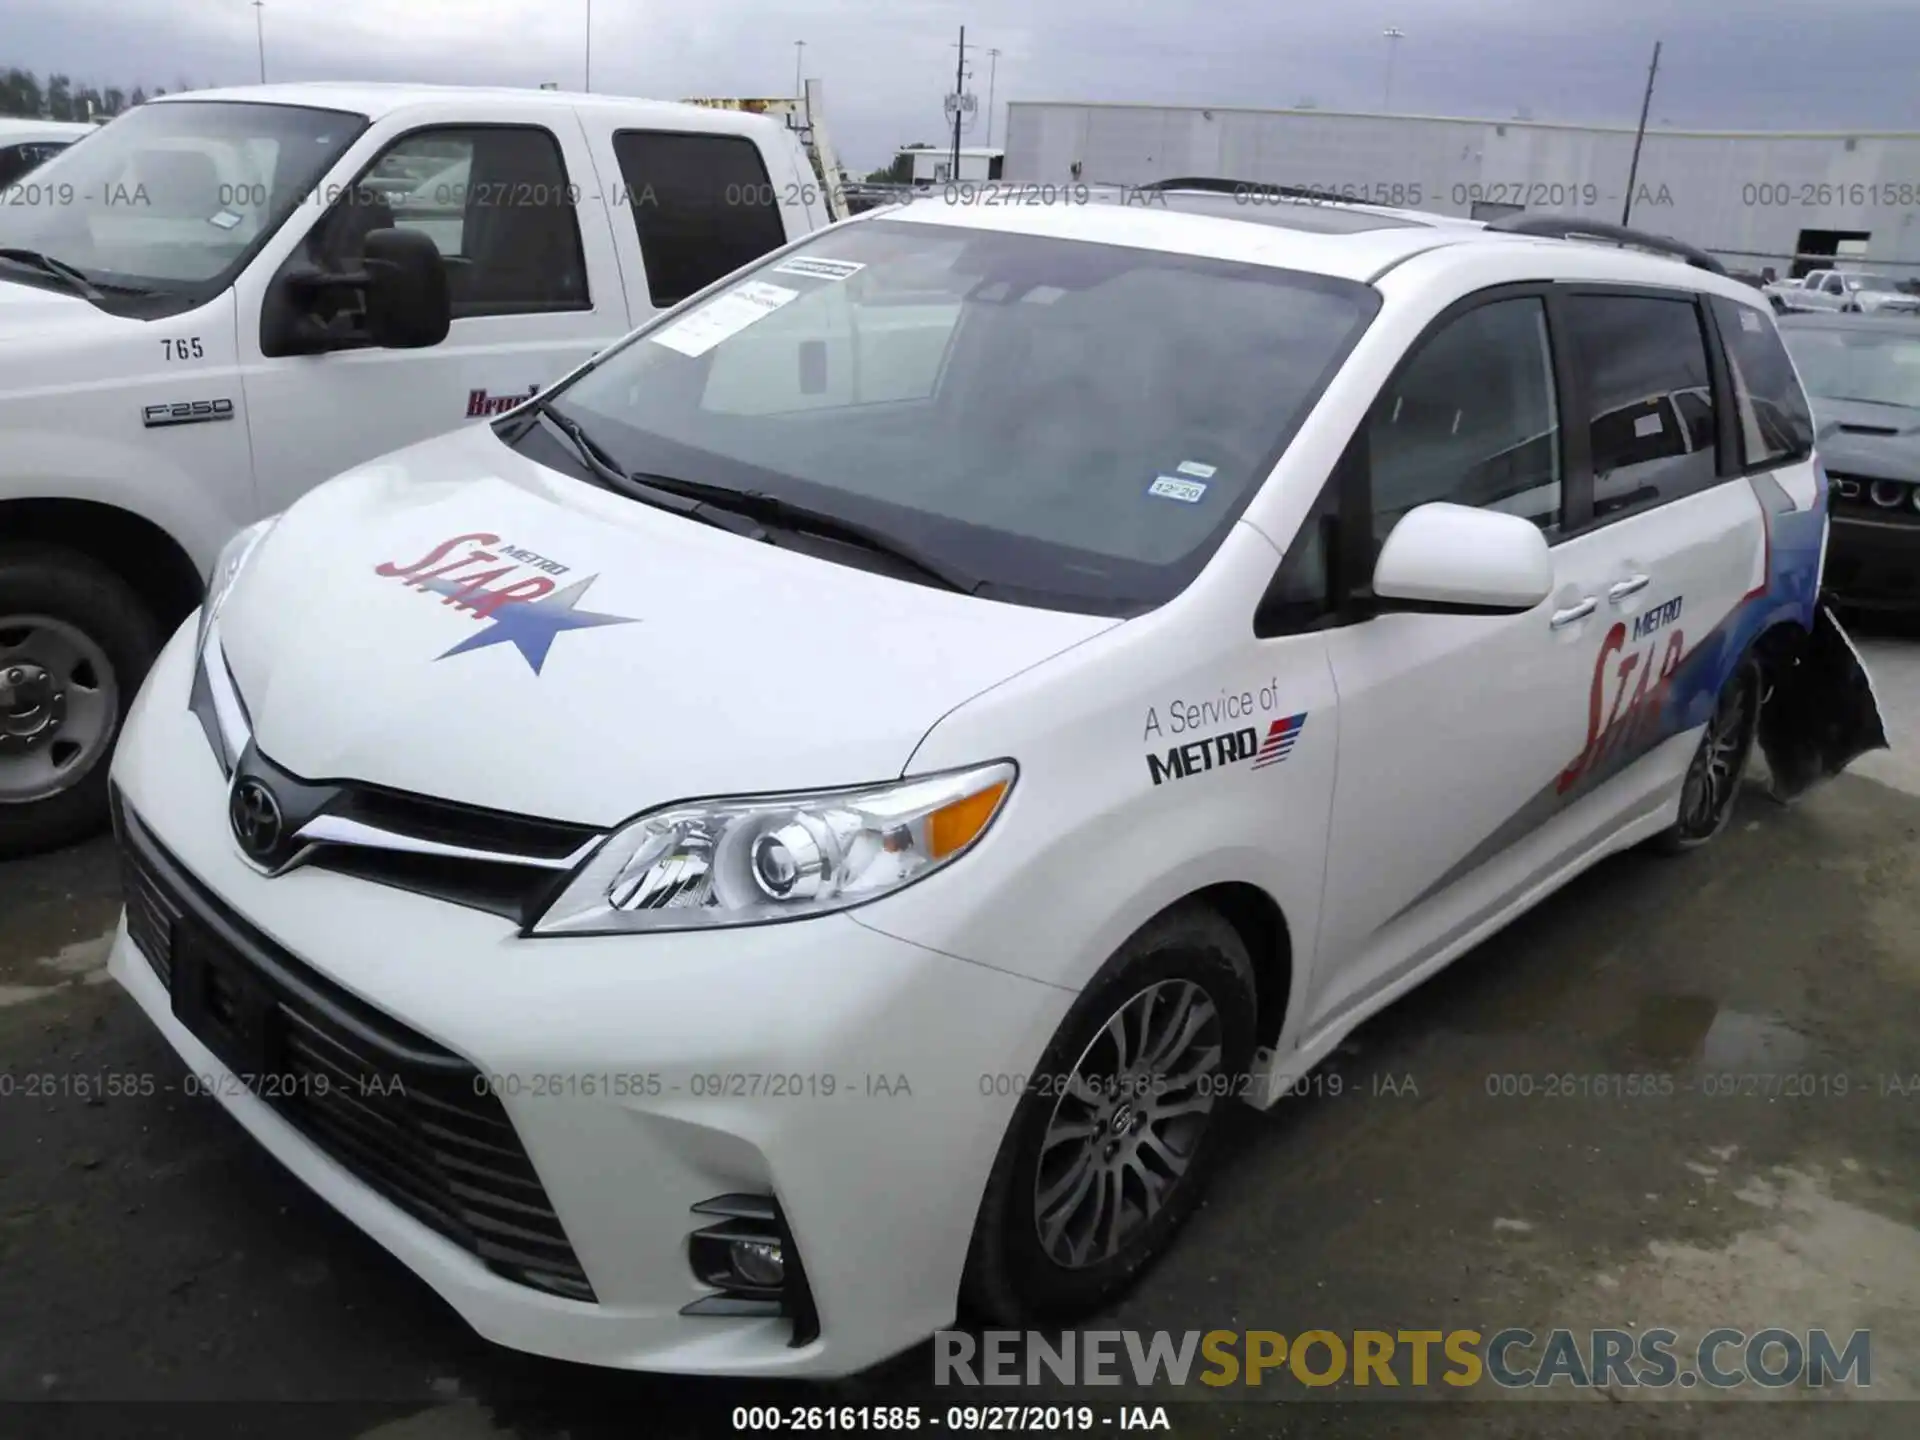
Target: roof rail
(1576,227)
(1219,185)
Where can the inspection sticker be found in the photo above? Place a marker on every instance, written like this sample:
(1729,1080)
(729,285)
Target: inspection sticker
(724,316)
(226,219)
(1169,487)
(1195,468)
(820,268)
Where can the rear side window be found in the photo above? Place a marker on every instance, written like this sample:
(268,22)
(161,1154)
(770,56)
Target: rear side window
(1649,396)
(1775,424)
(703,206)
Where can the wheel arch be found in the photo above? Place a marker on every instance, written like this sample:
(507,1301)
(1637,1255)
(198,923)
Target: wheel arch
(152,562)
(1262,927)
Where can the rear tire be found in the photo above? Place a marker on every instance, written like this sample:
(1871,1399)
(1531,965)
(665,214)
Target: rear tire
(1094,1178)
(1711,789)
(75,643)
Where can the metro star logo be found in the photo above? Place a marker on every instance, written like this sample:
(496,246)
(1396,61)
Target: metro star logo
(526,612)
(1229,747)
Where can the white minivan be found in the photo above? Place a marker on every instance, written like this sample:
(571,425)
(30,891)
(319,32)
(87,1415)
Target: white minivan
(814,819)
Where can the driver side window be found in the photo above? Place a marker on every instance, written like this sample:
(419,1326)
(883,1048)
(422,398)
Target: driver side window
(495,201)
(1472,420)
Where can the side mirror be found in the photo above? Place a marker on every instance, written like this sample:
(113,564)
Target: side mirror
(408,304)
(1457,558)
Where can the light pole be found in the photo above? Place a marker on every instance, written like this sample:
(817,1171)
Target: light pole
(586,79)
(1394,35)
(993,64)
(260,34)
(799,85)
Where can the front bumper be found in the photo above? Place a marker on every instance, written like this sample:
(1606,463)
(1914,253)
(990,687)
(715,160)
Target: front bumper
(642,1077)
(1874,564)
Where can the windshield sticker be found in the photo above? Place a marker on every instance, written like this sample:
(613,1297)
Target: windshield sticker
(226,219)
(819,268)
(1195,468)
(1646,425)
(1750,320)
(1171,487)
(527,612)
(724,316)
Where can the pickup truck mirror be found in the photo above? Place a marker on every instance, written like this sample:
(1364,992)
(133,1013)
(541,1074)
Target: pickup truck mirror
(408,303)
(398,298)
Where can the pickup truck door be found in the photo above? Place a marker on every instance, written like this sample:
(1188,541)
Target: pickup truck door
(512,201)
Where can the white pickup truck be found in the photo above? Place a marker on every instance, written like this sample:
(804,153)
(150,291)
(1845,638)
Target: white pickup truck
(1846,291)
(222,298)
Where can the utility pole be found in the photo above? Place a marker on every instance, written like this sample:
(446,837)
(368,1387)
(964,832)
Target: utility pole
(586,79)
(993,65)
(260,34)
(1394,35)
(1646,101)
(799,85)
(959,90)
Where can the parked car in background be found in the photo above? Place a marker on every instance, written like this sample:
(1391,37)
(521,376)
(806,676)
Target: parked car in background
(215,314)
(25,144)
(1849,292)
(1862,373)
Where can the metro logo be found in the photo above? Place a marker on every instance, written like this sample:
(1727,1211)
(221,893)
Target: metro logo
(1229,747)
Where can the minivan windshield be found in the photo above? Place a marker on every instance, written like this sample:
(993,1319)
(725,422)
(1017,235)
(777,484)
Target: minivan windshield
(1076,424)
(162,206)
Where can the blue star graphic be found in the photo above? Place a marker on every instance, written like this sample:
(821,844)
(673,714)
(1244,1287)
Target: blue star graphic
(530,625)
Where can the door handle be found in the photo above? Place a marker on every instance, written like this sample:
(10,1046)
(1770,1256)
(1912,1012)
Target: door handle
(1586,607)
(1629,587)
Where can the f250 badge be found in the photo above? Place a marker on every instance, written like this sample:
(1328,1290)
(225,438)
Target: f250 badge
(186,412)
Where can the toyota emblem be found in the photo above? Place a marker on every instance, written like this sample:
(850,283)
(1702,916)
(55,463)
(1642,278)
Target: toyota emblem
(255,816)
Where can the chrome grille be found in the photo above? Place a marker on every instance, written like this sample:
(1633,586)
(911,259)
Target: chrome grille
(414,1121)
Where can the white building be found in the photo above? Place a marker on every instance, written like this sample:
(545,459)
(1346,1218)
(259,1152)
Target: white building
(934,165)
(1754,199)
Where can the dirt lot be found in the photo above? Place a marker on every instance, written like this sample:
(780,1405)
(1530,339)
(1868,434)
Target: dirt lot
(150,1252)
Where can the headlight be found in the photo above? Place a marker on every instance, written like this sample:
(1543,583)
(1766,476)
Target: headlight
(776,857)
(231,561)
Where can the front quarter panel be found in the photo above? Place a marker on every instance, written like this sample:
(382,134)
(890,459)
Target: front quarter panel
(74,406)
(1090,847)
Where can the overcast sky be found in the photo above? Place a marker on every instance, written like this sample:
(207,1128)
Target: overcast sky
(885,64)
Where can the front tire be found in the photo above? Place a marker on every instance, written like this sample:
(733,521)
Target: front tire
(75,643)
(1110,1148)
(1712,785)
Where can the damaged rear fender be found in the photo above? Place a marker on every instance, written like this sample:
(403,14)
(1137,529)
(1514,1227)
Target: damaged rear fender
(1820,712)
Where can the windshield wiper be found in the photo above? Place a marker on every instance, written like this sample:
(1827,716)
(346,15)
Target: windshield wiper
(803,519)
(637,487)
(60,270)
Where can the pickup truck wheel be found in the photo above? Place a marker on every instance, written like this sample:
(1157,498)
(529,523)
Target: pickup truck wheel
(1109,1149)
(75,642)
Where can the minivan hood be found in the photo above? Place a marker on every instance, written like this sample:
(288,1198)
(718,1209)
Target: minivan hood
(646,658)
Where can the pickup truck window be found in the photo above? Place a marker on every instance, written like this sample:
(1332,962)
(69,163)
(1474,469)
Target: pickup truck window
(497,202)
(163,207)
(702,204)
(17,160)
